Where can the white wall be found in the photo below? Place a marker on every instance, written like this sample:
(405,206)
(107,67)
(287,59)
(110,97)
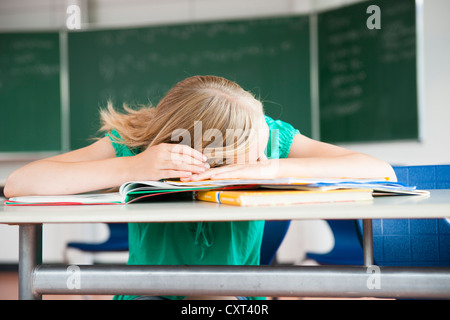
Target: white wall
(434,74)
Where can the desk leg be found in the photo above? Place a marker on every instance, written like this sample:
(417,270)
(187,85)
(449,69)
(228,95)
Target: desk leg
(368,242)
(30,255)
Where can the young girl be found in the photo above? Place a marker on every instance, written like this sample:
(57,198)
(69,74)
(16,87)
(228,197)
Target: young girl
(224,134)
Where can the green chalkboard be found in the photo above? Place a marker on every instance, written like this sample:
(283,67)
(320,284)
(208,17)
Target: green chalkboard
(367,77)
(269,57)
(30,116)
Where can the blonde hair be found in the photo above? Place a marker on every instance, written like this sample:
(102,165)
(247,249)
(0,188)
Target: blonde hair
(217,106)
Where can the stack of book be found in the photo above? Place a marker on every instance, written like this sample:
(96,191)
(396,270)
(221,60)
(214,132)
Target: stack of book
(264,192)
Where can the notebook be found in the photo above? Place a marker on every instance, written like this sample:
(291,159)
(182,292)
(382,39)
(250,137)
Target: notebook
(251,198)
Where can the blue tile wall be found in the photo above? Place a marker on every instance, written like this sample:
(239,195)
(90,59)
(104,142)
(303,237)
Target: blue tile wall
(415,242)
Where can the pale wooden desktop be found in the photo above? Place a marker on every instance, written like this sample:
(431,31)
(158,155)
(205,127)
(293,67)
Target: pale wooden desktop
(36,278)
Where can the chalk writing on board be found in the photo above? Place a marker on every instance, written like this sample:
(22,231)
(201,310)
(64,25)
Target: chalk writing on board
(367,75)
(347,49)
(111,66)
(399,42)
(30,91)
(25,58)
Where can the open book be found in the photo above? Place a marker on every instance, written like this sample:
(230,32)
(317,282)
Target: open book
(137,190)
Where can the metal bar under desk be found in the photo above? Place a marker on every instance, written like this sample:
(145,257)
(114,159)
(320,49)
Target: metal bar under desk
(309,281)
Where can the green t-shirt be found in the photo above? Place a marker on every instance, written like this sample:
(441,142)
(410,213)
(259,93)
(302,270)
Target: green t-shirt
(202,243)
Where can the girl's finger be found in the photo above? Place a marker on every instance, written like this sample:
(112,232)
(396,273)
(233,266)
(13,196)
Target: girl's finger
(187,151)
(200,176)
(211,172)
(182,166)
(232,174)
(168,174)
(184,158)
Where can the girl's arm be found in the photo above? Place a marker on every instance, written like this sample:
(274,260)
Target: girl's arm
(307,158)
(96,167)
(313,158)
(91,168)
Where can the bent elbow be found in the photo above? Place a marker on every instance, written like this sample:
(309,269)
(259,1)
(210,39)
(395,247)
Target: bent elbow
(7,191)
(392,176)
(11,189)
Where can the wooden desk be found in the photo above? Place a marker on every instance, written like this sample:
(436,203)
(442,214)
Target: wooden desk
(36,279)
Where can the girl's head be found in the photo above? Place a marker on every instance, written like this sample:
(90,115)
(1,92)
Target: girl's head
(211,114)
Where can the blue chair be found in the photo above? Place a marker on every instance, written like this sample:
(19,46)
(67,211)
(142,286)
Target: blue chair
(274,233)
(117,240)
(346,251)
(414,242)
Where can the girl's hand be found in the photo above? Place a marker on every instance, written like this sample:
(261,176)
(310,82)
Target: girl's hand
(166,160)
(266,169)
